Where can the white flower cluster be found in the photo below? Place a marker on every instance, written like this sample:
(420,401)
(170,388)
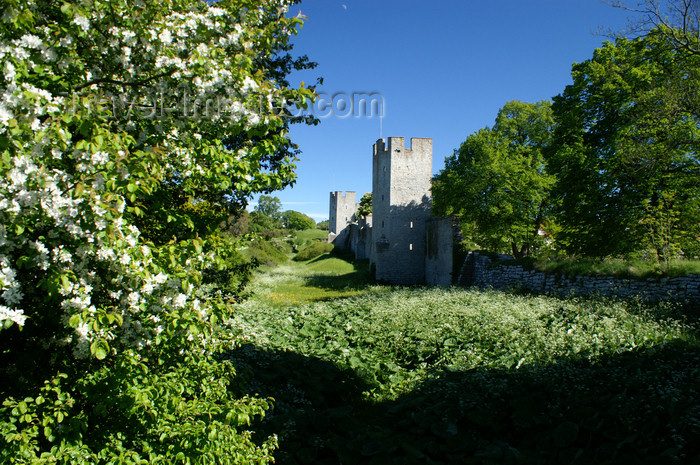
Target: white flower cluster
(64,192)
(11,293)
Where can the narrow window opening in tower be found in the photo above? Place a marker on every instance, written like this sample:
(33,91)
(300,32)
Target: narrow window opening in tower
(382,197)
(384,169)
(410,246)
(411,224)
(382,224)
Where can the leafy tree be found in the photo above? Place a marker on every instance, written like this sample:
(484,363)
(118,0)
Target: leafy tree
(322,225)
(365,208)
(497,181)
(263,224)
(298,221)
(270,206)
(126,126)
(626,149)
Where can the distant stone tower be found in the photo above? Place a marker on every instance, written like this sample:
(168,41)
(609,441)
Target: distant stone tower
(342,213)
(401,178)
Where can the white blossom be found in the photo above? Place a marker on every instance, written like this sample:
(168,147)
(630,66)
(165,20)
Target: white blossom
(165,37)
(15,316)
(30,41)
(179,301)
(82,22)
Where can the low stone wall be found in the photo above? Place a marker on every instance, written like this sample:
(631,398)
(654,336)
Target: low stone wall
(485,275)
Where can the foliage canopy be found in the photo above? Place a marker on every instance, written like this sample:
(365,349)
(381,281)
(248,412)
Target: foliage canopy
(497,181)
(127,127)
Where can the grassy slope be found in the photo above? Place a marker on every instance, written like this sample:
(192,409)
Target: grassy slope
(374,374)
(309,235)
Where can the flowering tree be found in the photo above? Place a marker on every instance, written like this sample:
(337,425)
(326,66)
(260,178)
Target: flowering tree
(114,114)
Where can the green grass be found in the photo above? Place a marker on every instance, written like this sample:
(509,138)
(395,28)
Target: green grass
(309,235)
(633,269)
(313,250)
(324,278)
(369,374)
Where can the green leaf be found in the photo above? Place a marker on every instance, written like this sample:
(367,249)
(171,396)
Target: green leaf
(75,320)
(67,9)
(99,349)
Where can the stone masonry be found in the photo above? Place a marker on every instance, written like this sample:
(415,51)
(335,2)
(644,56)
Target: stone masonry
(394,236)
(342,212)
(400,208)
(479,271)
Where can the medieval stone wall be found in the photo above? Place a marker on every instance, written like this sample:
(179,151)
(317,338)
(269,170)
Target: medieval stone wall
(394,236)
(343,208)
(400,208)
(440,239)
(484,275)
(360,240)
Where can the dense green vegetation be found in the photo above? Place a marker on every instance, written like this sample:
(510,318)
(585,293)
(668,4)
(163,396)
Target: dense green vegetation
(115,272)
(313,250)
(365,207)
(361,373)
(497,181)
(609,169)
(304,237)
(297,221)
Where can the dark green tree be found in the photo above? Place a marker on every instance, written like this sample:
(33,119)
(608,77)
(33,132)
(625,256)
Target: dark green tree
(625,150)
(365,208)
(240,224)
(263,224)
(497,180)
(270,206)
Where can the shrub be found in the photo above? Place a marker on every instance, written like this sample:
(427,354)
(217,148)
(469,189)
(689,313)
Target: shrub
(314,250)
(305,237)
(110,302)
(268,252)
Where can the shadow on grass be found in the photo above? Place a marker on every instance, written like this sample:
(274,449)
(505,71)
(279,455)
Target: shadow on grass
(634,408)
(356,279)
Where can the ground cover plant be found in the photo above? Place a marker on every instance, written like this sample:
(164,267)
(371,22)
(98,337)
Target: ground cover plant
(415,375)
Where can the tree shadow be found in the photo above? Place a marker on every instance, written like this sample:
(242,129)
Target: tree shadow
(357,279)
(636,407)
(315,402)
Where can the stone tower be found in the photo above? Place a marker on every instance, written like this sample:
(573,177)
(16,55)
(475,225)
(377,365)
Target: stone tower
(342,213)
(401,179)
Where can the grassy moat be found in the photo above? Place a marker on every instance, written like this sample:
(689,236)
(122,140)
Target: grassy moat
(364,373)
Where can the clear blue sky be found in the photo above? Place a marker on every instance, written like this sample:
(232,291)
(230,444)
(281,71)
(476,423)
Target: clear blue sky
(444,68)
